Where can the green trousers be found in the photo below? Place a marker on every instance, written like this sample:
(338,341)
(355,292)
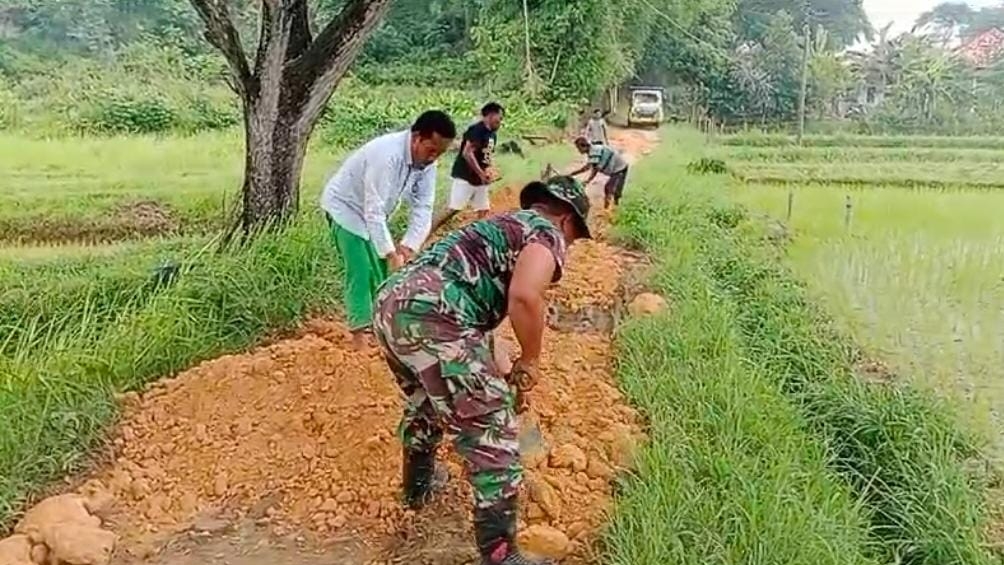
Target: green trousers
(364,271)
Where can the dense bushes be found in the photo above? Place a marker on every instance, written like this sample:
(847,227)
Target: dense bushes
(156,89)
(357,110)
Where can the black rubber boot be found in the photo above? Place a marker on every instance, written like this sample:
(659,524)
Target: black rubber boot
(422,478)
(495,532)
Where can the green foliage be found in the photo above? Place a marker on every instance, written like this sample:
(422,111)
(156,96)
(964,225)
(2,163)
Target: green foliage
(97,27)
(116,113)
(9,106)
(787,142)
(357,111)
(844,19)
(577,49)
(948,19)
(707,166)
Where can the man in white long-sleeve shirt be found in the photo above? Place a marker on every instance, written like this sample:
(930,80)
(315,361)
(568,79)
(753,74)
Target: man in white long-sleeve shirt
(366,191)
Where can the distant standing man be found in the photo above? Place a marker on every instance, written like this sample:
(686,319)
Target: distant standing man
(366,191)
(604,159)
(596,129)
(472,170)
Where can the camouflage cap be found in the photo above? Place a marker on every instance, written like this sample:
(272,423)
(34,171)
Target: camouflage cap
(564,188)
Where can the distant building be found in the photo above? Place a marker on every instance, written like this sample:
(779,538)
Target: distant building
(984,49)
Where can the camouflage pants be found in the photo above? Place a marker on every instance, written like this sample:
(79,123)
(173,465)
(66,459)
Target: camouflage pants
(449,377)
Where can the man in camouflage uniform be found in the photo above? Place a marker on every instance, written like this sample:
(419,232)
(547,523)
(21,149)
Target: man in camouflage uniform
(434,321)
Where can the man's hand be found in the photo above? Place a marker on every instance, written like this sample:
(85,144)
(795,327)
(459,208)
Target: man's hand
(524,377)
(525,374)
(406,253)
(485,176)
(394,261)
(493,174)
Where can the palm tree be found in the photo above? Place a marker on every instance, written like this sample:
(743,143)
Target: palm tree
(876,65)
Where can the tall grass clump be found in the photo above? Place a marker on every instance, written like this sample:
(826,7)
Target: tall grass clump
(76,291)
(731,472)
(55,405)
(897,450)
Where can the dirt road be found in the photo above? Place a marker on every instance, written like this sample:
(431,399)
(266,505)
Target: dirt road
(287,454)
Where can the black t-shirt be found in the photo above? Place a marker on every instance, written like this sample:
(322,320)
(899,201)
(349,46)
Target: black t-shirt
(484,140)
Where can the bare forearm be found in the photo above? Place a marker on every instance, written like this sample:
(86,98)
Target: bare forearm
(579,171)
(472,161)
(527,319)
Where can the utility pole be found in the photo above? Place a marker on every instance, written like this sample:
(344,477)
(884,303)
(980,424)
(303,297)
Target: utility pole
(805,84)
(531,79)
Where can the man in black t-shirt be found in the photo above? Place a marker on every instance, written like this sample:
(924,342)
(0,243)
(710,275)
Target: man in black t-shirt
(473,169)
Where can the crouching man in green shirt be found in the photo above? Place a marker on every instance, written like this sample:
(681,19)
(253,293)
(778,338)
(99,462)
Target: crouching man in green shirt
(604,159)
(434,320)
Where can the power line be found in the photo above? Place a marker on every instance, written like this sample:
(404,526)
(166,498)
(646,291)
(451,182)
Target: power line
(684,30)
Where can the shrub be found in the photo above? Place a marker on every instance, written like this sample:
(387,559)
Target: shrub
(129,113)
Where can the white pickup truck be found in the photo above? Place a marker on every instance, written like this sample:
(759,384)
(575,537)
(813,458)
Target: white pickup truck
(646,106)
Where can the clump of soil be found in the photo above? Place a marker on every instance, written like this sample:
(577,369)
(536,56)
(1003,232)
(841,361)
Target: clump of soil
(64,529)
(647,304)
(593,272)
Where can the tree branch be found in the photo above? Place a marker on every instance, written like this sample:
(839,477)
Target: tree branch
(299,36)
(328,58)
(272,46)
(341,39)
(221,34)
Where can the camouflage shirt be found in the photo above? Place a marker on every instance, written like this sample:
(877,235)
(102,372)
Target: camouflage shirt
(464,277)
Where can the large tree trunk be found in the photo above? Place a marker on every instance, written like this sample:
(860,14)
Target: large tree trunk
(283,92)
(275,148)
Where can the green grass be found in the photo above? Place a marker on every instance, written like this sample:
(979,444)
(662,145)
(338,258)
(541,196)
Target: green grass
(67,189)
(920,174)
(54,403)
(916,279)
(756,139)
(764,447)
(852,154)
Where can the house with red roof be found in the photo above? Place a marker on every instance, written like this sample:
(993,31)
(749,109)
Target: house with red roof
(984,49)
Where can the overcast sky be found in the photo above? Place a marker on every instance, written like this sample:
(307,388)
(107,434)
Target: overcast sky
(904,12)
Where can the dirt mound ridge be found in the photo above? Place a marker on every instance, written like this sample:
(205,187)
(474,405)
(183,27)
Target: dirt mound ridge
(307,431)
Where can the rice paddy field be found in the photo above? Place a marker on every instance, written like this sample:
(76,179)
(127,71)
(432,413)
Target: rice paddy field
(902,241)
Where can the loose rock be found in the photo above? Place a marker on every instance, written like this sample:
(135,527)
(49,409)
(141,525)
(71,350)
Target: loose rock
(646,304)
(544,495)
(79,545)
(62,509)
(569,456)
(597,469)
(39,554)
(544,541)
(15,550)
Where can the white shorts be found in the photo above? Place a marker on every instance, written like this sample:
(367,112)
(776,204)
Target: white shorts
(463,193)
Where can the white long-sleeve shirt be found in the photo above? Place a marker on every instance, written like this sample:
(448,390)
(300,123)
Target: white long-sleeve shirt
(371,184)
